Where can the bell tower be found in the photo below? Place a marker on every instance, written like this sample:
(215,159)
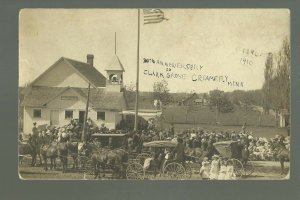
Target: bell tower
(114,72)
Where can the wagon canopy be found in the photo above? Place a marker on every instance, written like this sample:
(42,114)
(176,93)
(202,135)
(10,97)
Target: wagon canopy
(160,144)
(228,149)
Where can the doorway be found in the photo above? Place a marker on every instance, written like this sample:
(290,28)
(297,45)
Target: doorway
(81,116)
(54,117)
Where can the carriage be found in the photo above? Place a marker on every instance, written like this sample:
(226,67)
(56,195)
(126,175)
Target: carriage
(232,153)
(152,163)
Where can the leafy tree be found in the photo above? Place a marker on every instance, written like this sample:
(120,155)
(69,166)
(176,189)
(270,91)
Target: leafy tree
(269,72)
(130,92)
(220,100)
(161,92)
(276,87)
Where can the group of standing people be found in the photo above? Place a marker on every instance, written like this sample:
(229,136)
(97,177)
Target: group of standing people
(217,169)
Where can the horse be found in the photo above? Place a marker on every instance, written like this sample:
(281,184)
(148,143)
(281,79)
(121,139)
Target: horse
(73,151)
(104,157)
(115,159)
(97,155)
(99,159)
(62,150)
(49,151)
(28,148)
(32,148)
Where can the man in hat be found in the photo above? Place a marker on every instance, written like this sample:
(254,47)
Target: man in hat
(102,128)
(179,150)
(35,132)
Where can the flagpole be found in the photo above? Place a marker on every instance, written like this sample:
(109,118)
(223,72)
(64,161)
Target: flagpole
(137,76)
(86,115)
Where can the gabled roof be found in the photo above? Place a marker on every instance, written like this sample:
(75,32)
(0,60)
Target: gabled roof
(101,99)
(39,96)
(89,73)
(115,64)
(191,97)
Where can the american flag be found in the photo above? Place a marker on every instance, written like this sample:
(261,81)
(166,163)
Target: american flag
(152,16)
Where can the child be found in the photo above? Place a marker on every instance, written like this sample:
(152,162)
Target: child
(230,175)
(223,170)
(215,167)
(204,170)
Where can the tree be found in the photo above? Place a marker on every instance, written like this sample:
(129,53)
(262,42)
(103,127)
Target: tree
(130,94)
(283,75)
(220,100)
(161,92)
(276,87)
(269,72)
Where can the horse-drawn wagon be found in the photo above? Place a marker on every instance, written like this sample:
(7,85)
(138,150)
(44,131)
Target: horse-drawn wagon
(157,159)
(231,151)
(104,151)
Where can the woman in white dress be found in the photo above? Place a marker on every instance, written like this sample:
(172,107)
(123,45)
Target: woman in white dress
(204,170)
(215,168)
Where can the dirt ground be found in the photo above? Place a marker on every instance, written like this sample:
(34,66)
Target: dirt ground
(263,170)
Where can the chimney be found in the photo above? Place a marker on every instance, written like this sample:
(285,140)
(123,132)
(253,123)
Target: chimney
(89,59)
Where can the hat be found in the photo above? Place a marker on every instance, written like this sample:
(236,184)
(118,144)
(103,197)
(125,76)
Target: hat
(205,159)
(215,156)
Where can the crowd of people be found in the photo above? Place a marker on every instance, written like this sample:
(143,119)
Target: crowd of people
(252,147)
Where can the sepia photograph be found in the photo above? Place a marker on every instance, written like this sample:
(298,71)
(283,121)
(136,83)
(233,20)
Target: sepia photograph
(154,94)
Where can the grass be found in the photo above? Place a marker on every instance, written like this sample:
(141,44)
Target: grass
(204,115)
(263,170)
(260,124)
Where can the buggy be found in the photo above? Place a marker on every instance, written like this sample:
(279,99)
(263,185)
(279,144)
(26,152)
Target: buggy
(152,161)
(232,153)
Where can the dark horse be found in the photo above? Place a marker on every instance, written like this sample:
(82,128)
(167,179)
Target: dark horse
(28,149)
(32,148)
(105,158)
(73,151)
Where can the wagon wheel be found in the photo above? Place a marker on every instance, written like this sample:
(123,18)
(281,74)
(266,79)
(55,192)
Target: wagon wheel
(238,168)
(135,171)
(174,171)
(248,169)
(188,172)
(142,157)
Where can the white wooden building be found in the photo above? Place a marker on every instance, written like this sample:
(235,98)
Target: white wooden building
(60,94)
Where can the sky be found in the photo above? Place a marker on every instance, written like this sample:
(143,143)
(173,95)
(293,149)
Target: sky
(194,50)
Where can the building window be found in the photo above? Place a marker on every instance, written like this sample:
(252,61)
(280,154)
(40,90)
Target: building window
(37,113)
(100,115)
(68,114)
